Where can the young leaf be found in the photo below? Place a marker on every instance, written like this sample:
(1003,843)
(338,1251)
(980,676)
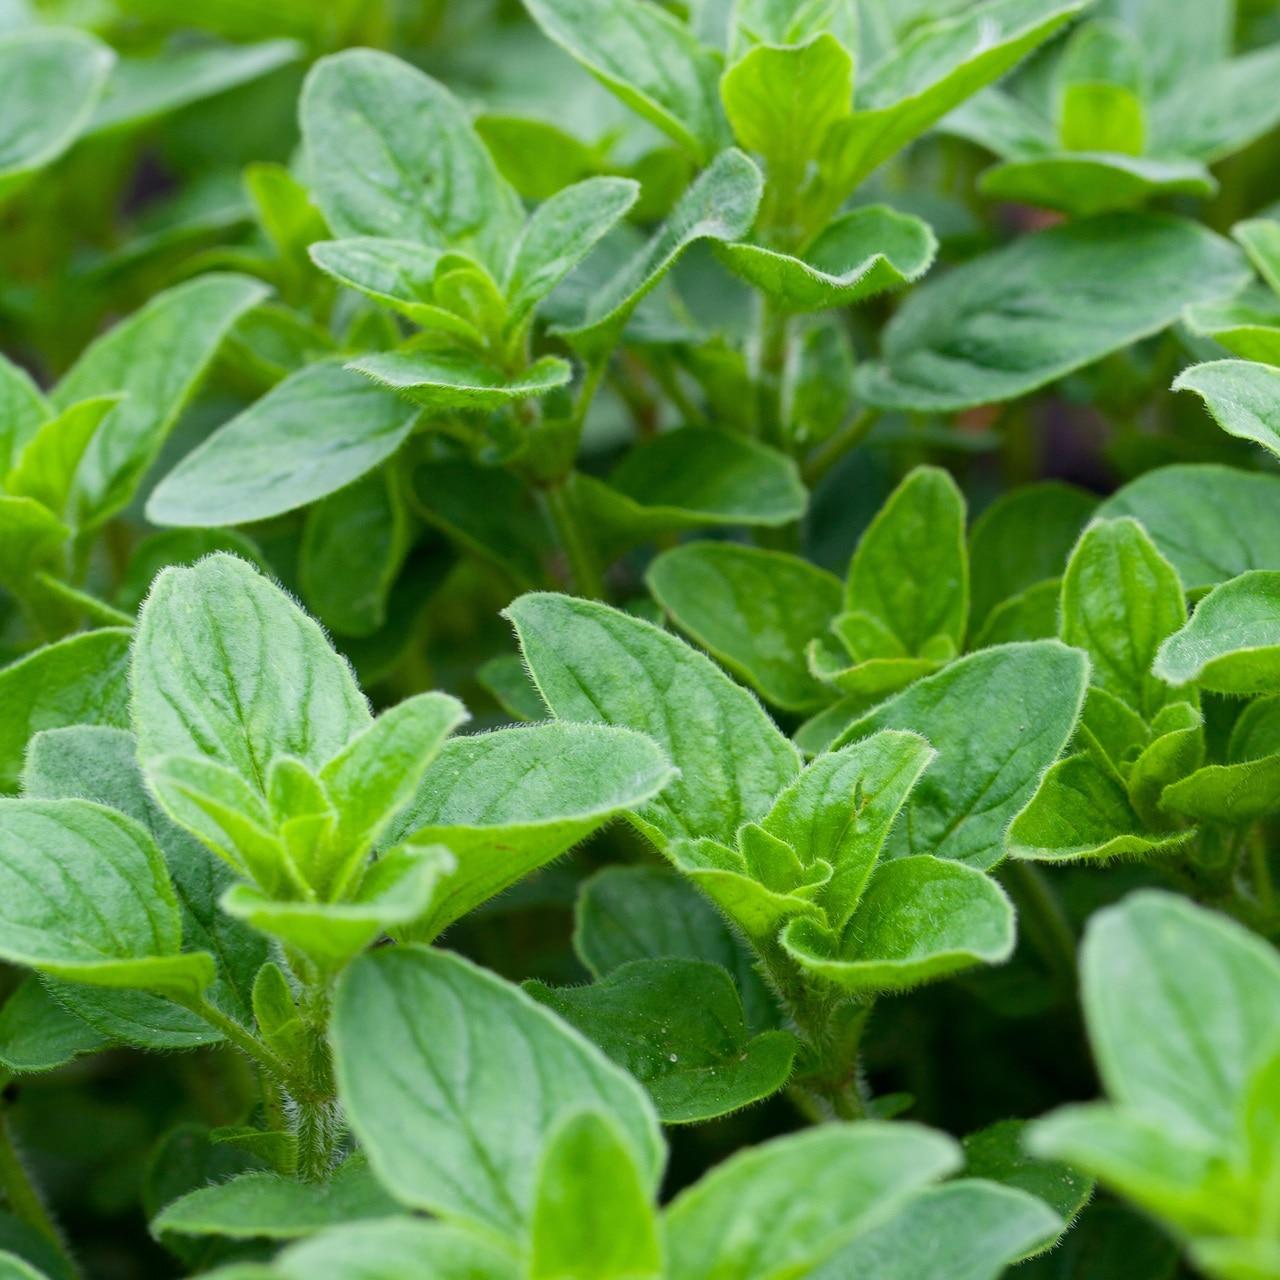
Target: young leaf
(1243,397)
(50,79)
(1244,788)
(868,251)
(87,897)
(449,380)
(1121,599)
(45,467)
(743,1220)
(507,803)
(83,679)
(592,1214)
(678,1026)
(1194,515)
(593,663)
(998,720)
(756,611)
(267,1206)
(650,59)
(309,436)
(379,135)
(22,410)
(445,1131)
(154,360)
(1013,320)
(398,273)
(202,686)
(1232,642)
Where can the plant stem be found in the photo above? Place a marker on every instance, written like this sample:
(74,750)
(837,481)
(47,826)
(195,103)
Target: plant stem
(585,569)
(1045,923)
(317,1130)
(832,449)
(1260,868)
(773,339)
(24,1200)
(245,1041)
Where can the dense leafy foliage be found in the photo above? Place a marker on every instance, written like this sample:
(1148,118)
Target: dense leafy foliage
(639,640)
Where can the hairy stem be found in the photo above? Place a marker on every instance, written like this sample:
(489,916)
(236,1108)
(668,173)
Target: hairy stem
(245,1041)
(24,1200)
(317,1129)
(583,565)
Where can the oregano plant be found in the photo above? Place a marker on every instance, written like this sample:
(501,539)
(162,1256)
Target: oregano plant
(639,640)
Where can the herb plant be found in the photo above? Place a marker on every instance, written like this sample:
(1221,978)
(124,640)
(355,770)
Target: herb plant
(624,657)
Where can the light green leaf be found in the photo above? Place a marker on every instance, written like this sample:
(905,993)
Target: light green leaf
(969,1230)
(45,467)
(22,409)
(998,719)
(559,235)
(378,136)
(1244,788)
(1242,396)
(50,79)
(32,541)
(595,664)
(1232,642)
(13,1267)
(38,1034)
(648,58)
(678,1026)
(1030,615)
(83,679)
(87,897)
(593,1215)
(721,205)
(692,478)
(1022,538)
(538,157)
(1011,321)
(1247,325)
(509,802)
(398,273)
(1121,599)
(155,360)
(929,74)
(920,918)
(756,611)
(202,685)
(309,436)
(445,1131)
(781,98)
(743,1220)
(868,251)
(1194,514)
(453,380)
(267,1206)
(1260,239)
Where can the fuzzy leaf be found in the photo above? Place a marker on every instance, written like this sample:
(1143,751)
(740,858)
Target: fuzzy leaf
(38,1034)
(1242,396)
(447,380)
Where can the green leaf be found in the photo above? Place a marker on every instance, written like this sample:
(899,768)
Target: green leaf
(309,436)
(998,719)
(592,1214)
(559,235)
(50,79)
(398,273)
(88,898)
(378,136)
(1030,615)
(692,478)
(454,380)
(1194,514)
(38,1034)
(1232,642)
(144,88)
(1083,811)
(782,98)
(83,679)
(506,681)
(13,1267)
(32,541)
(720,205)
(1022,538)
(929,74)
(755,611)
(920,918)
(743,1220)
(1244,788)
(1011,321)
(202,686)
(538,157)
(22,409)
(625,914)
(869,251)
(445,1131)
(1247,325)
(509,802)
(595,664)
(1121,599)
(648,58)
(1260,239)
(970,1228)
(922,524)
(155,360)
(267,1206)
(45,467)
(1243,398)
(678,1026)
